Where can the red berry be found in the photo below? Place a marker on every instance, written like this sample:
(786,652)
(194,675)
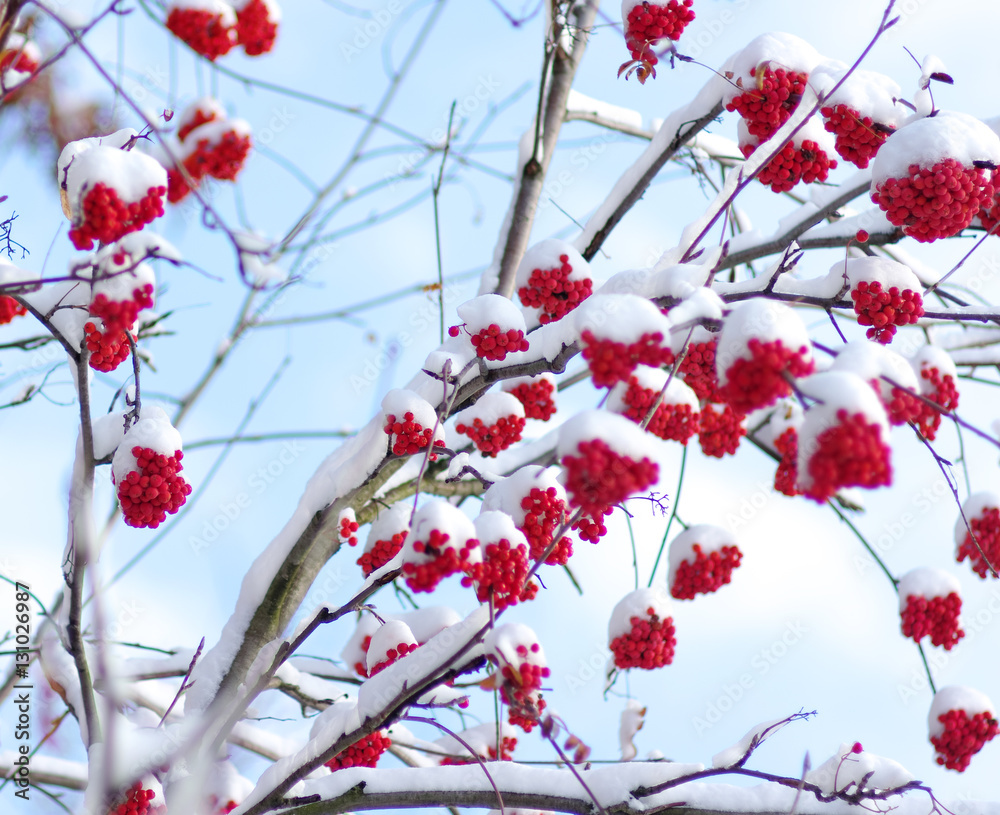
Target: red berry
(365,752)
(940,389)
(105,217)
(960,736)
(720,430)
(852,453)
(807,162)
(759,381)
(986,526)
(785,478)
(597,476)
(769,104)
(649,22)
(535,395)
(884,310)
(408,437)
(611,362)
(702,572)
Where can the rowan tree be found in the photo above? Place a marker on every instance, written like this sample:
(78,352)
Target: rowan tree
(504,405)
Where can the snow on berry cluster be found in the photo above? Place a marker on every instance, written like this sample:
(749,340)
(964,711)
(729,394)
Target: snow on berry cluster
(535,393)
(483,741)
(982,511)
(933,176)
(208,144)
(423,623)
(861,114)
(886,294)
(441,543)
(961,721)
(347,527)
(9,309)
(646,23)
(762,343)
(641,630)
(875,364)
(937,377)
(494,423)
(146,469)
(495,326)
(504,567)
(675,418)
(385,537)
(619,332)
(929,606)
(138,801)
(213,28)
(520,661)
(536,502)
(605,459)
(552,280)
(702,559)
(409,423)
(111,189)
(390,642)
(843,441)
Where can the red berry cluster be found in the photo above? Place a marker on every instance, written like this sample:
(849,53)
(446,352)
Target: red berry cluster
(255,30)
(591,528)
(523,712)
(787,474)
(536,398)
(493,344)
(381,553)
(963,737)
(507,746)
(120,315)
(902,407)
(936,617)
(105,217)
(553,292)
(669,422)
(365,752)
(107,349)
(612,362)
(649,643)
(445,561)
(491,439)
(769,105)
(544,512)
(940,389)
(858,138)
(987,529)
(807,162)
(599,477)
(884,310)
(720,430)
(18,60)
(409,437)
(360,667)
(935,202)
(200,116)
(851,454)
(649,22)
(502,572)
(138,801)
(154,489)
(759,381)
(697,369)
(348,530)
(393,654)
(222,158)
(204,31)
(10,308)
(706,573)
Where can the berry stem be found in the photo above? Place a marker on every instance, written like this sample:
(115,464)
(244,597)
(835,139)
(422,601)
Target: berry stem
(673,516)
